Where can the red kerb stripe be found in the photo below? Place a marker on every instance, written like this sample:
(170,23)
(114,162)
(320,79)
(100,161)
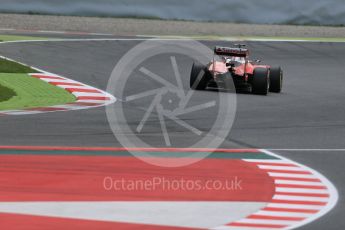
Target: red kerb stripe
(298,202)
(297,179)
(300,210)
(65,83)
(46,109)
(274,164)
(47,77)
(257,225)
(302,194)
(93,98)
(83,90)
(266,217)
(287,171)
(83,103)
(89,148)
(300,186)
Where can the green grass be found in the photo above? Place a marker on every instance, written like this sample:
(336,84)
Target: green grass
(6,38)
(21,91)
(7,66)
(6,93)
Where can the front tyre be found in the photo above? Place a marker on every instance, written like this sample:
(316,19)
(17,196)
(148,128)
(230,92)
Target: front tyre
(276,80)
(260,82)
(199,77)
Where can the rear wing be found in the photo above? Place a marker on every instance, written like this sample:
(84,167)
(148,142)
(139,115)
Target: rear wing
(233,52)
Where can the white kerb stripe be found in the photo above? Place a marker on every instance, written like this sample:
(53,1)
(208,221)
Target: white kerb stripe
(293,182)
(291,175)
(278,161)
(63,81)
(21,112)
(283,214)
(289,168)
(300,198)
(302,190)
(295,206)
(258,221)
(81,94)
(74,86)
(92,101)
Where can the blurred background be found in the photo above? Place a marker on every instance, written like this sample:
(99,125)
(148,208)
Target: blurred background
(295,12)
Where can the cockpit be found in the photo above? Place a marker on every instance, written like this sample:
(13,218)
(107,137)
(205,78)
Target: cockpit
(234,61)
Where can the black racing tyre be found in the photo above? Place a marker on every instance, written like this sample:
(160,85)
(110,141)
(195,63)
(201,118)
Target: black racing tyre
(260,82)
(276,80)
(199,77)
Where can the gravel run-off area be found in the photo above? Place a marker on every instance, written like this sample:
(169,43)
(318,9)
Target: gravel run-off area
(127,26)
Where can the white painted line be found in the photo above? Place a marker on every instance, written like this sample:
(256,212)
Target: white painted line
(153,39)
(248,38)
(43,74)
(93,39)
(70,107)
(19,112)
(7,29)
(50,32)
(196,37)
(309,150)
(183,214)
(57,32)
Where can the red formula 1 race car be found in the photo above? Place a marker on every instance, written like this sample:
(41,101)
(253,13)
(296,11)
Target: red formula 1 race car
(234,65)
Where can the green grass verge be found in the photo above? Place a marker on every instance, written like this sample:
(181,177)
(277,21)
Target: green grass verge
(7,38)
(7,66)
(6,93)
(21,91)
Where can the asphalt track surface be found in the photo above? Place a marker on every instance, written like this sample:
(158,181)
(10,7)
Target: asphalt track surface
(308,114)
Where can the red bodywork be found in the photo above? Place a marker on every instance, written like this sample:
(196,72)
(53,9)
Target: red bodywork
(241,70)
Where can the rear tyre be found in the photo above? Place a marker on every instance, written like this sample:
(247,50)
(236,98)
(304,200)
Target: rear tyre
(276,80)
(199,77)
(260,83)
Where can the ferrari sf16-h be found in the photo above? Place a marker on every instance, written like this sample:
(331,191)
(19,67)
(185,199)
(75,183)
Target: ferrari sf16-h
(234,65)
